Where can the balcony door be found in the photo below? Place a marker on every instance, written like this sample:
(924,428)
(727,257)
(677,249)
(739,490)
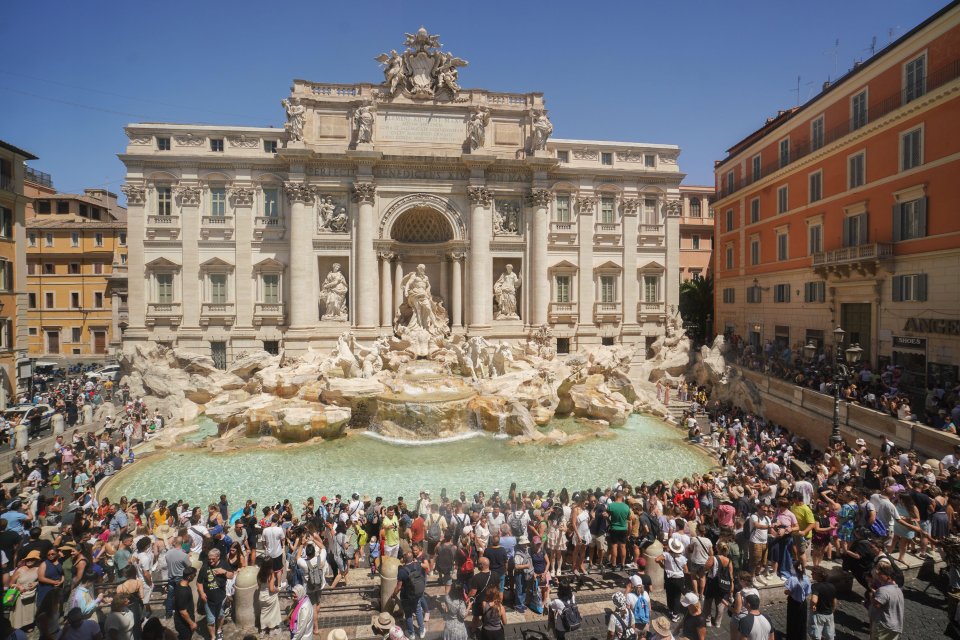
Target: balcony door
(855,318)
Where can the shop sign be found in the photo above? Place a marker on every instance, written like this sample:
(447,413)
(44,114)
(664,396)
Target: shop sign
(933,325)
(909,342)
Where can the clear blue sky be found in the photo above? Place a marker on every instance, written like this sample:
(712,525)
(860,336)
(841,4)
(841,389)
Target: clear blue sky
(698,74)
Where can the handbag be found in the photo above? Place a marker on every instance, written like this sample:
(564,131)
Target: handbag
(11,596)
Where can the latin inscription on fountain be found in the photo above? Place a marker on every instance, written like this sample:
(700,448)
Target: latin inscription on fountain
(396,127)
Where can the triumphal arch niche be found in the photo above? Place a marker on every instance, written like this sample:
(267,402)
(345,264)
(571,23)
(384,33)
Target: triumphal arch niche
(382,201)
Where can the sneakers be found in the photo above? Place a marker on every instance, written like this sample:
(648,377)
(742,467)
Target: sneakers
(219,635)
(421,633)
(674,618)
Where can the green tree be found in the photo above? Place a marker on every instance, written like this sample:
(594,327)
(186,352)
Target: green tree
(696,307)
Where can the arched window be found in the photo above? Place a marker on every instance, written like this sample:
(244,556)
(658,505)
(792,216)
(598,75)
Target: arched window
(695,208)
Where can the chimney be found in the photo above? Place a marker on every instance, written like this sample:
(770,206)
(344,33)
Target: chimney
(826,85)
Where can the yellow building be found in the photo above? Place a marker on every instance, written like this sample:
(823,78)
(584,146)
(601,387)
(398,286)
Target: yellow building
(12,282)
(76,273)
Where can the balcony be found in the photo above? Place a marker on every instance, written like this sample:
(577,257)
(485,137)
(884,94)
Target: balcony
(649,310)
(650,235)
(268,228)
(607,232)
(164,312)
(163,227)
(863,259)
(6,182)
(217,313)
(563,312)
(607,312)
(563,232)
(216,227)
(268,313)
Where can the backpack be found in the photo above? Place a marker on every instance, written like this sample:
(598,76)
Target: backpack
(416,582)
(516,526)
(725,578)
(897,571)
(570,616)
(314,572)
(626,631)
(434,532)
(652,524)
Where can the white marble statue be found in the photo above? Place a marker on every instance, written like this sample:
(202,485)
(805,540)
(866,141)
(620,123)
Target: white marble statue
(331,218)
(355,360)
(393,74)
(542,128)
(363,119)
(446,72)
(295,116)
(499,360)
(333,295)
(505,292)
(506,218)
(418,297)
(477,127)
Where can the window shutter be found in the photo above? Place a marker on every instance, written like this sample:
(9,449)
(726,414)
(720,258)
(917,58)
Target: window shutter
(922,215)
(897,222)
(822,296)
(846,232)
(922,287)
(897,288)
(866,229)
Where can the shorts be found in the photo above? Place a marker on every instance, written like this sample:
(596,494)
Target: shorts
(696,569)
(821,626)
(599,542)
(214,612)
(390,550)
(925,526)
(277,563)
(803,544)
(314,594)
(758,555)
(618,537)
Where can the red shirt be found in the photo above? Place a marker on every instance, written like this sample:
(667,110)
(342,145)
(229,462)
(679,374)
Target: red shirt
(418,530)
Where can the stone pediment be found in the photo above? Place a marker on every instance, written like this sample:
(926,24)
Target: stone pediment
(269,264)
(216,263)
(653,265)
(161,264)
(609,265)
(564,265)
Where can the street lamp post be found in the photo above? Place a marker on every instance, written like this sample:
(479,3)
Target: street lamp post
(844,360)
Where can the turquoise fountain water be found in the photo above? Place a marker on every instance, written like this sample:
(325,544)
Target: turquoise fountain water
(645,449)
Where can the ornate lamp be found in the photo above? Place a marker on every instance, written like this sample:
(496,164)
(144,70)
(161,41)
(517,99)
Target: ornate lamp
(853,354)
(810,350)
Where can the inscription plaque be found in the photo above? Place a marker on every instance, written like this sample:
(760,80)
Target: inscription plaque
(427,127)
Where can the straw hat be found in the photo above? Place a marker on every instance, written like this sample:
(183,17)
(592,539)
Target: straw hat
(383,622)
(33,555)
(676,545)
(661,626)
(337,634)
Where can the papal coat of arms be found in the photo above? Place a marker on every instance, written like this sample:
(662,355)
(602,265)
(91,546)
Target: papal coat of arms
(424,70)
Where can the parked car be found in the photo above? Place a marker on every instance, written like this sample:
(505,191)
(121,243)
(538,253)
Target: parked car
(109,372)
(26,412)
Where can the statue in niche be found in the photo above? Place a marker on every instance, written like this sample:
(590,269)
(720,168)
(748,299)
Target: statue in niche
(333,295)
(419,299)
(506,219)
(331,218)
(295,116)
(542,128)
(477,127)
(363,119)
(505,293)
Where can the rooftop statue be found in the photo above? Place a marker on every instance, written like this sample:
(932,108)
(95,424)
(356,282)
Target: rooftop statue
(423,70)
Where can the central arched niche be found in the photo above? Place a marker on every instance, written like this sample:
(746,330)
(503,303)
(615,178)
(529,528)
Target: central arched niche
(421,225)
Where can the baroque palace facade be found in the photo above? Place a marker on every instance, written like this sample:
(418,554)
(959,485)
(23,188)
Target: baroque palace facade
(243,238)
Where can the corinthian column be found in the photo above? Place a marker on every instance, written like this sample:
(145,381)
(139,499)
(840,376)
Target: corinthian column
(365,257)
(537,279)
(456,302)
(386,290)
(480,268)
(303,313)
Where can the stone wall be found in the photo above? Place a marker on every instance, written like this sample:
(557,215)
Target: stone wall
(809,414)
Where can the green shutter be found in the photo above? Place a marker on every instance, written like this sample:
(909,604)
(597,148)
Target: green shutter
(922,287)
(922,215)
(897,222)
(897,282)
(846,232)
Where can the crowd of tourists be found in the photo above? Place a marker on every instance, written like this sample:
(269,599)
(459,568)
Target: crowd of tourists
(886,389)
(775,510)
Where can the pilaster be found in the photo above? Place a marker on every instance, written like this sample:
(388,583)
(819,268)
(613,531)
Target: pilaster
(386,289)
(480,266)
(367,303)
(629,208)
(586,205)
(456,294)
(537,281)
(671,240)
(303,313)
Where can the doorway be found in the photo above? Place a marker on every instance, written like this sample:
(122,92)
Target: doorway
(856,321)
(99,342)
(53,342)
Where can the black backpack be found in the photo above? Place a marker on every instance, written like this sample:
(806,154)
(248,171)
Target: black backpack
(516,525)
(897,571)
(652,524)
(416,582)
(570,616)
(434,532)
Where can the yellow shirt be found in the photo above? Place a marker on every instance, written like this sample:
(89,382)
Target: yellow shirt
(392,528)
(805,518)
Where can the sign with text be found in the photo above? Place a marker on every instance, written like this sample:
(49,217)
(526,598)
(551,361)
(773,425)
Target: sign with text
(909,342)
(421,127)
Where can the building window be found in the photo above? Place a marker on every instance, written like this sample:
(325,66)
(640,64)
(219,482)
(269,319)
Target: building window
(31,300)
(911,149)
(755,167)
(729,219)
(563,345)
(754,295)
(6,333)
(729,295)
(695,275)
(218,202)
(755,251)
(608,289)
(858,110)
(783,199)
(730,181)
(755,210)
(218,352)
(63,207)
(74,300)
(74,239)
(218,288)
(98,300)
(816,134)
(74,268)
(43,206)
(75,334)
(606,158)
(49,301)
(855,230)
(49,268)
(563,156)
(6,275)
(915,78)
(6,222)
(814,239)
(910,219)
(783,246)
(562,293)
(814,291)
(729,257)
(785,152)
(98,239)
(164,288)
(695,210)
(910,288)
(651,288)
(32,239)
(163,143)
(31,331)
(164,202)
(650,215)
(695,242)
(649,160)
(607,215)
(781,293)
(48,240)
(270,146)
(271,203)
(83,210)
(216,144)
(857,170)
(123,238)
(816,186)
(272,346)
(123,258)
(563,208)
(31,268)
(98,268)
(270,283)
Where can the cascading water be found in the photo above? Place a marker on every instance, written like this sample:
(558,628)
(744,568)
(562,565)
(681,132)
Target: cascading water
(502,426)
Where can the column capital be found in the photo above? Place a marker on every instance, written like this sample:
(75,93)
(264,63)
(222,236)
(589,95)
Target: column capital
(673,208)
(364,191)
(456,256)
(386,256)
(630,206)
(136,194)
(299,192)
(586,203)
(479,196)
(539,198)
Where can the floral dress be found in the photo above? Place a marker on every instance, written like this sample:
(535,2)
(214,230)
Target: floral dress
(555,536)
(848,518)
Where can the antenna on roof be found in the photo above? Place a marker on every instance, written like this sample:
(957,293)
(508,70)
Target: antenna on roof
(798,91)
(836,48)
(873,46)
(891,32)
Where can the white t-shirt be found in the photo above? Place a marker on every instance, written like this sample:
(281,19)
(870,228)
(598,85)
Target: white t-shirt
(757,535)
(273,541)
(673,564)
(805,489)
(494,522)
(950,460)
(197,533)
